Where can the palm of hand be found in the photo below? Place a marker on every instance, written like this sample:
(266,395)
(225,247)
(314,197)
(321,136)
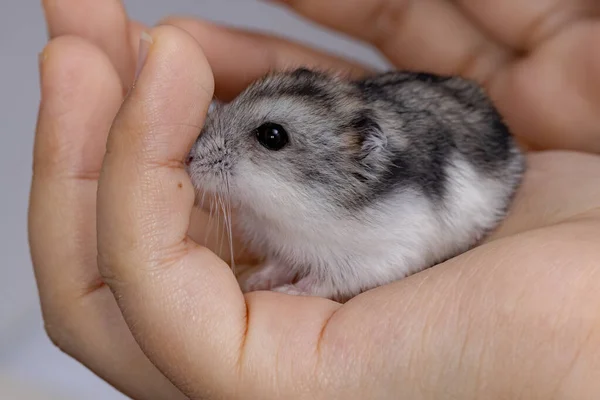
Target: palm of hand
(548,94)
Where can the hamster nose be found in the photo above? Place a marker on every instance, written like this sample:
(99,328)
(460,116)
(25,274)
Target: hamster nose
(189,160)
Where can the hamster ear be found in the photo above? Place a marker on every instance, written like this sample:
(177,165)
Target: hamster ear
(302,71)
(372,138)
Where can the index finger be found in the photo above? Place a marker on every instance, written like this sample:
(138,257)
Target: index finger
(170,290)
(431,35)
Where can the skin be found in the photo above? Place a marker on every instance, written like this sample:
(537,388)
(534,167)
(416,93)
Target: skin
(126,290)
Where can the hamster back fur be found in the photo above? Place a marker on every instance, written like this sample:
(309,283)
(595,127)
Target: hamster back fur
(345,185)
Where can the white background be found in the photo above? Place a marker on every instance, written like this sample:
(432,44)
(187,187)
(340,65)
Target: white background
(30,367)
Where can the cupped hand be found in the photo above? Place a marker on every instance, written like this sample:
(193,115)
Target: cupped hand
(475,326)
(539,59)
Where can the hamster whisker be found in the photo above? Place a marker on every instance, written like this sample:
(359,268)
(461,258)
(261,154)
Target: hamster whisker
(210,220)
(220,230)
(229,219)
(224,227)
(202,198)
(226,219)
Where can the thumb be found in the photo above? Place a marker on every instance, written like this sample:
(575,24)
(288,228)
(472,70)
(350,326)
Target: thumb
(171,291)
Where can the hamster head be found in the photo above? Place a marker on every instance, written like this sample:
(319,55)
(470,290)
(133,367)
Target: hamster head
(292,142)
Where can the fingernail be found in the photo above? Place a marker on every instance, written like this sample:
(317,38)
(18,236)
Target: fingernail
(145,44)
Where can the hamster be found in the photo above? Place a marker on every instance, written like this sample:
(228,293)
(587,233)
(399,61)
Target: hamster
(345,185)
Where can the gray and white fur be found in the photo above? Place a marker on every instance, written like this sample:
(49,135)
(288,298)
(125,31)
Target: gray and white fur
(381,177)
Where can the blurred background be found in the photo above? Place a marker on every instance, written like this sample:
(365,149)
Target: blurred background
(30,366)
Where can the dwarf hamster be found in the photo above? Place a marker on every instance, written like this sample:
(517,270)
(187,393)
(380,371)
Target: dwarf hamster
(345,185)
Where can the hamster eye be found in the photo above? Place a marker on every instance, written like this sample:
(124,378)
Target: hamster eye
(272,136)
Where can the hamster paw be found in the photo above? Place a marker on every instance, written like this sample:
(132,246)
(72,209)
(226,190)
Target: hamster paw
(306,286)
(267,277)
(290,289)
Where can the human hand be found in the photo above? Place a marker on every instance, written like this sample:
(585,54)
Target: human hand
(425,319)
(539,60)
(86,69)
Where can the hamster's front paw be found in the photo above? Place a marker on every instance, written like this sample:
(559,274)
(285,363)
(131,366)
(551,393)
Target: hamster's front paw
(307,286)
(267,277)
(292,289)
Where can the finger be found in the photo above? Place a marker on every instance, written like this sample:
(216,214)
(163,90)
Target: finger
(200,223)
(74,119)
(430,35)
(103,23)
(181,302)
(238,57)
(524,25)
(551,98)
(81,93)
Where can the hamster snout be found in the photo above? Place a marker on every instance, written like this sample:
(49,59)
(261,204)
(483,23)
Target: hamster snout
(345,185)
